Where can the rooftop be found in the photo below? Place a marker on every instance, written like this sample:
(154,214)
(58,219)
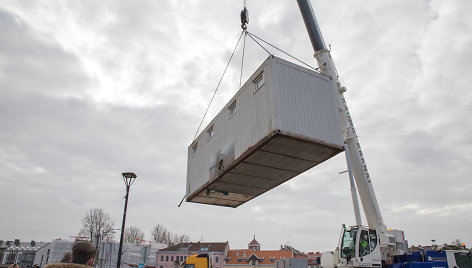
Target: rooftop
(198,246)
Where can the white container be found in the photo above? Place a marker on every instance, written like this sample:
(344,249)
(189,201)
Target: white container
(282,122)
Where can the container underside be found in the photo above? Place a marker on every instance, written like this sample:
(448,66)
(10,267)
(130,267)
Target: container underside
(264,166)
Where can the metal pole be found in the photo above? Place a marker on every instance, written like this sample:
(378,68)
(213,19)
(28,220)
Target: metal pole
(123,228)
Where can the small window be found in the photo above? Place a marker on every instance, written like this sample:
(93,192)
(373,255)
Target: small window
(373,239)
(194,148)
(167,258)
(240,259)
(272,259)
(217,259)
(162,257)
(364,248)
(259,82)
(171,258)
(210,132)
(232,109)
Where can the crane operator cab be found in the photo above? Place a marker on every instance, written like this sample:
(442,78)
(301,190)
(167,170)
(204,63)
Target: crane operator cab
(359,247)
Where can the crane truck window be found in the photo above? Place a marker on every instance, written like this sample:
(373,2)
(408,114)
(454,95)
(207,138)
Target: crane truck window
(364,248)
(349,244)
(373,239)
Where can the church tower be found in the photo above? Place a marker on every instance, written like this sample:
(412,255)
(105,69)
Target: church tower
(254,245)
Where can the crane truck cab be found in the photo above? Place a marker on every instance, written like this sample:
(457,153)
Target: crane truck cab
(198,261)
(359,247)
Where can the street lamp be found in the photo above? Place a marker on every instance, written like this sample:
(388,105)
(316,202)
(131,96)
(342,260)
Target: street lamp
(128,178)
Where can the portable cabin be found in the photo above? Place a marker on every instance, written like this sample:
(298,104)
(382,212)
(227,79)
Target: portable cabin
(282,122)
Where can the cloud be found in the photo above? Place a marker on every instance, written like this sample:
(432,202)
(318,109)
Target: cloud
(89,90)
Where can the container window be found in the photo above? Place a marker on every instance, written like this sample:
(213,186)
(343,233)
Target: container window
(258,82)
(232,109)
(194,148)
(211,132)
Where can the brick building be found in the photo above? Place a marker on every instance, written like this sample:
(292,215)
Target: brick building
(254,257)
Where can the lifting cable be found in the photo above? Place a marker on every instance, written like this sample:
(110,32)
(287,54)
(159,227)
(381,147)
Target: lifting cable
(242,59)
(253,36)
(214,93)
(244,21)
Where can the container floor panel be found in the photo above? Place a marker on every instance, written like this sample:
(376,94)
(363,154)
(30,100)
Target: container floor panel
(263,167)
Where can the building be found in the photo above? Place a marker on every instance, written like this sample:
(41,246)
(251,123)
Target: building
(27,254)
(132,255)
(175,256)
(52,252)
(255,257)
(314,259)
(22,253)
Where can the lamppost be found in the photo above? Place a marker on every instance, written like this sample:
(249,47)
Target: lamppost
(128,178)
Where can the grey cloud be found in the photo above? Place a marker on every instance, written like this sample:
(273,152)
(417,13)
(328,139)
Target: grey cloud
(34,63)
(407,92)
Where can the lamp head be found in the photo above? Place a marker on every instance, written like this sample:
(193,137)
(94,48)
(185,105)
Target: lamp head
(129,175)
(128,178)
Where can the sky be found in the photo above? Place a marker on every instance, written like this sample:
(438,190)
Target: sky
(91,89)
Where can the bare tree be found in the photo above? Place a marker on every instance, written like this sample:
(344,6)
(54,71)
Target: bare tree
(183,238)
(97,222)
(158,234)
(161,235)
(134,235)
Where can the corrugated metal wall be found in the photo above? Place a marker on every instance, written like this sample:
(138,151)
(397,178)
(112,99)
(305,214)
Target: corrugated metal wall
(304,103)
(252,121)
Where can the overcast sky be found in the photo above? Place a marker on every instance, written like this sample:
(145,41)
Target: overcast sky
(91,89)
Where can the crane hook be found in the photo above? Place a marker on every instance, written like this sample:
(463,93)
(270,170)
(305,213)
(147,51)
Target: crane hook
(244,18)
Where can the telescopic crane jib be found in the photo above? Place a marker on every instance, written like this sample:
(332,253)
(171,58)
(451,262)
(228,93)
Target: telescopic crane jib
(381,243)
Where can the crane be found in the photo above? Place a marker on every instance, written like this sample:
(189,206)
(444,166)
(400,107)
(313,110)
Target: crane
(359,246)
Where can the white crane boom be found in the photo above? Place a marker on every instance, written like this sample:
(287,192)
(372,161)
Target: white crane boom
(361,174)
(359,246)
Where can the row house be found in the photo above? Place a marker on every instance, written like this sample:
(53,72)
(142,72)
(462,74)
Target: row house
(21,253)
(175,256)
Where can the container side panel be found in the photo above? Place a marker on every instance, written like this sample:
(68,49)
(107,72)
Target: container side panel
(234,131)
(305,103)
